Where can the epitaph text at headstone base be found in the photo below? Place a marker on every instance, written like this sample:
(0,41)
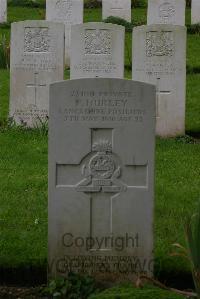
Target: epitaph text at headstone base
(159,57)
(68,12)
(195,11)
(97,51)
(3,11)
(101,177)
(116,8)
(37,59)
(166,12)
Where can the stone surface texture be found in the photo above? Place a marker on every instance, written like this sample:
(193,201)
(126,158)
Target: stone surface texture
(37,59)
(97,51)
(159,57)
(3,11)
(68,12)
(195,12)
(117,8)
(166,12)
(101,177)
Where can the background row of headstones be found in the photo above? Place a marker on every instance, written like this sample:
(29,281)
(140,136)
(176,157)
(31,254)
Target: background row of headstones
(37,59)
(159,11)
(102,131)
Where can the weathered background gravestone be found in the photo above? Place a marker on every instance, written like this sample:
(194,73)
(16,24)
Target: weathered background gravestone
(166,12)
(117,8)
(3,11)
(101,177)
(159,57)
(195,12)
(97,51)
(68,12)
(37,59)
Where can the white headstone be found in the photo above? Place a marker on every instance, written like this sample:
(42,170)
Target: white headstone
(166,12)
(195,11)
(3,11)
(37,59)
(68,12)
(97,51)
(101,177)
(159,57)
(117,8)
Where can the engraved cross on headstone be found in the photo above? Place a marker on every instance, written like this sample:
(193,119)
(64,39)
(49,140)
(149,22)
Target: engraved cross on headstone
(35,85)
(159,92)
(102,180)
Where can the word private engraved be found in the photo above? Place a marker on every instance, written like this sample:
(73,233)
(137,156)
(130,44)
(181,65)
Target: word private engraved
(102,172)
(98,41)
(159,43)
(166,11)
(36,39)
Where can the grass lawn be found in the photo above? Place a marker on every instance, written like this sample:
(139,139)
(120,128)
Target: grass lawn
(193,50)
(129,292)
(193,105)
(23,200)
(4,95)
(23,175)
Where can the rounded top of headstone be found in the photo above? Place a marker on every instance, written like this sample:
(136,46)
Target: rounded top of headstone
(99,24)
(100,81)
(37,23)
(159,27)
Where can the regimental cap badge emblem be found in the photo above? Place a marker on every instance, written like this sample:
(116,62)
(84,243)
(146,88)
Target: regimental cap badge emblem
(102,171)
